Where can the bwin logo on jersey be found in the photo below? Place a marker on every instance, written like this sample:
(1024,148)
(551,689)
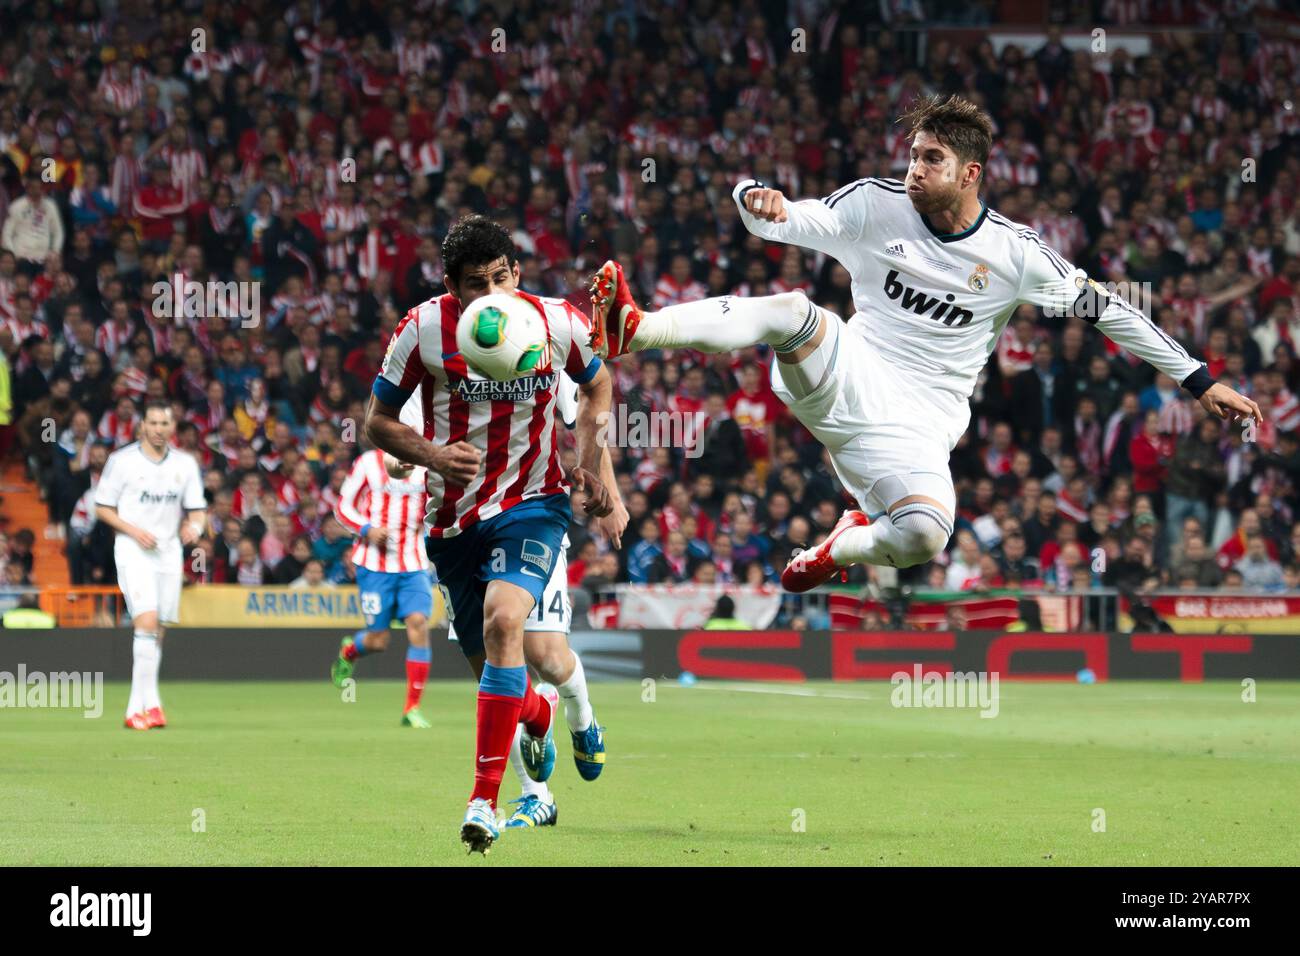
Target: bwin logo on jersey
(913,301)
(535,552)
(520,390)
(158,498)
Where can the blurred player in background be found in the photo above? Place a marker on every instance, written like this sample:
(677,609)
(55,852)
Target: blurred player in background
(151,495)
(547,651)
(499,499)
(936,274)
(382,502)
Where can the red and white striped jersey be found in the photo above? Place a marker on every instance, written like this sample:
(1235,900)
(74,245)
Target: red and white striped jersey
(345,220)
(121,431)
(122,95)
(21,331)
(125,181)
(110,338)
(370,496)
(188,170)
(1018,170)
(1286,410)
(513,423)
(669,292)
(417,57)
(418,159)
(1209,108)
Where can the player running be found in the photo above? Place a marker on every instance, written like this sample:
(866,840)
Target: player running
(499,500)
(936,275)
(547,651)
(382,502)
(152,496)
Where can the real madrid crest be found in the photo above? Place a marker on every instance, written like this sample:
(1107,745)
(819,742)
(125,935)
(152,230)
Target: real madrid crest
(979,279)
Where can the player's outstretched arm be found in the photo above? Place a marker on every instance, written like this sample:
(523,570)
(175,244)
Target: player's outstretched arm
(613,524)
(457,463)
(1224,401)
(348,509)
(1054,284)
(831,225)
(594,399)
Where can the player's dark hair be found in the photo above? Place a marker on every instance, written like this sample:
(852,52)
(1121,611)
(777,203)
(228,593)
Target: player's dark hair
(955,122)
(158,404)
(475,241)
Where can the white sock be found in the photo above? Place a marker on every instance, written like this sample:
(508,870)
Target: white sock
(146,656)
(526,783)
(863,545)
(577,705)
(912,535)
(729,322)
(135,704)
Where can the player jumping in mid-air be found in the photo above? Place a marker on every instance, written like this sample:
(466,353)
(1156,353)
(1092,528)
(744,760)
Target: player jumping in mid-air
(936,275)
(382,502)
(499,500)
(547,651)
(152,496)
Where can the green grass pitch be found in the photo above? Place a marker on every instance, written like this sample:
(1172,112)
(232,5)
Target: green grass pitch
(713,774)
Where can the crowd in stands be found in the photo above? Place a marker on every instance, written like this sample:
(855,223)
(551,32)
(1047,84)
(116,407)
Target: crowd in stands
(315,153)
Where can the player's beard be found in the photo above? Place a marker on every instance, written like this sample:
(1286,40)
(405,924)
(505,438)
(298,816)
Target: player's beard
(157,442)
(936,198)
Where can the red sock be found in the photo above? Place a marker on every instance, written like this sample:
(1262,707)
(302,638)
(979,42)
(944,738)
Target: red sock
(536,711)
(416,674)
(497,718)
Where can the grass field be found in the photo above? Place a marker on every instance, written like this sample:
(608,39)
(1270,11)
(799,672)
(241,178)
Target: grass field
(712,774)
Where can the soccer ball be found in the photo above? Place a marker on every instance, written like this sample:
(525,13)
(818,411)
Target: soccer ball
(502,337)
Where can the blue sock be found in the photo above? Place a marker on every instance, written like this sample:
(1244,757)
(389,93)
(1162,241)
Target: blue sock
(359,642)
(421,655)
(503,681)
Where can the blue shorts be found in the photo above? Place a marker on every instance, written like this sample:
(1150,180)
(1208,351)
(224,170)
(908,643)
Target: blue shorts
(520,545)
(386,595)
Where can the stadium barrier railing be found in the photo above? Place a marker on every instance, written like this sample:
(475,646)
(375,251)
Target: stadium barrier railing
(654,607)
(84,606)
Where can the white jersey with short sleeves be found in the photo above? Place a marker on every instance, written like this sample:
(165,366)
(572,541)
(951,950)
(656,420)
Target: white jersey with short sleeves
(152,494)
(512,423)
(933,305)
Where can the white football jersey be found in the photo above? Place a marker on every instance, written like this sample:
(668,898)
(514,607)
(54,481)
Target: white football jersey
(566,403)
(152,494)
(934,305)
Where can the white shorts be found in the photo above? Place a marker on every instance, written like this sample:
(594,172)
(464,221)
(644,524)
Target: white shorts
(879,423)
(150,581)
(553,613)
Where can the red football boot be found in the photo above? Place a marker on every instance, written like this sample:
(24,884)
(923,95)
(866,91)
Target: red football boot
(136,722)
(154,717)
(815,566)
(614,316)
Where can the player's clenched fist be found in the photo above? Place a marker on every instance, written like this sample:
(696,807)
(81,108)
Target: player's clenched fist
(397,468)
(598,500)
(458,462)
(766,204)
